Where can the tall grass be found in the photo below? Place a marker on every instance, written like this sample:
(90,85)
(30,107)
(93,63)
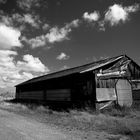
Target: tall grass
(117,121)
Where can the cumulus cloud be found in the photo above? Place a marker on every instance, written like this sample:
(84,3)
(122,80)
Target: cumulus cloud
(117,13)
(31,63)
(55,34)
(8,69)
(62,56)
(6,58)
(12,78)
(10,20)
(13,72)
(28,18)
(38,41)
(59,34)
(9,37)
(28,75)
(132,8)
(20,21)
(92,17)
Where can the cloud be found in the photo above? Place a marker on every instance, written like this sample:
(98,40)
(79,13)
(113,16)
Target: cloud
(45,27)
(28,18)
(60,34)
(73,24)
(7,67)
(57,35)
(6,20)
(92,17)
(38,41)
(28,4)
(64,67)
(54,35)
(62,56)
(9,37)
(132,8)
(6,58)
(117,13)
(31,63)
(28,75)
(12,78)
(19,21)
(10,20)
(13,72)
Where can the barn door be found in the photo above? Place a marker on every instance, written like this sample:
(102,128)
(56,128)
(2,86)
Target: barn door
(124,93)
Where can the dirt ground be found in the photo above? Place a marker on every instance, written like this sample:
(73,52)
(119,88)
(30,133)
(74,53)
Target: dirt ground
(16,127)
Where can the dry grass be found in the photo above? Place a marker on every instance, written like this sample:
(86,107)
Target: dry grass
(120,122)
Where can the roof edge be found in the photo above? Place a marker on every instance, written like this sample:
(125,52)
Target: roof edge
(119,56)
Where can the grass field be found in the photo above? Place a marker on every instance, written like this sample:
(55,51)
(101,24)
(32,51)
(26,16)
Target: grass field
(112,124)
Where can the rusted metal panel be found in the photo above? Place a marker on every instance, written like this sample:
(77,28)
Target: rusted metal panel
(105,94)
(58,95)
(124,93)
(37,95)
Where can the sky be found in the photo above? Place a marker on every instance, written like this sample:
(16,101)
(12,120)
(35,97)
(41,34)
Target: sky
(39,37)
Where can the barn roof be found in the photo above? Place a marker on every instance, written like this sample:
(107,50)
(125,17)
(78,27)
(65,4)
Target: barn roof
(80,69)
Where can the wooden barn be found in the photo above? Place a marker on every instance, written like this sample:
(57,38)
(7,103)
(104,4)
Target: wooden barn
(106,80)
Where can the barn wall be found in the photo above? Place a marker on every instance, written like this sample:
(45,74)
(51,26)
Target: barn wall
(58,95)
(105,94)
(136,95)
(105,89)
(105,83)
(34,95)
(136,91)
(76,88)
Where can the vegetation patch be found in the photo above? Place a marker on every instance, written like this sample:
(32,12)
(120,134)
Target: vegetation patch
(112,124)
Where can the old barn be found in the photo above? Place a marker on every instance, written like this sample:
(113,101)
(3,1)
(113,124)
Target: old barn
(106,80)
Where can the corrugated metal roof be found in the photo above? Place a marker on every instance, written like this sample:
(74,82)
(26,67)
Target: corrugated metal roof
(80,69)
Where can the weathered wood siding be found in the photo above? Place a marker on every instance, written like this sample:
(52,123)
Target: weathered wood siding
(36,95)
(105,94)
(58,95)
(76,89)
(136,94)
(124,93)
(105,83)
